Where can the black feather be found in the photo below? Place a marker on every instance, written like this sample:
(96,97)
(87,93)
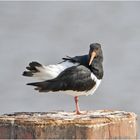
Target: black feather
(27,73)
(40,86)
(32,68)
(35,64)
(82,60)
(76,78)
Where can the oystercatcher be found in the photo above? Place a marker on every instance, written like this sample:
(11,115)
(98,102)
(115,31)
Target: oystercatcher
(79,75)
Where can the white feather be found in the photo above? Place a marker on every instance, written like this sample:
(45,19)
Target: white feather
(52,71)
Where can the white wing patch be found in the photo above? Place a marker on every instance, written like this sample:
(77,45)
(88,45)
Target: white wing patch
(52,71)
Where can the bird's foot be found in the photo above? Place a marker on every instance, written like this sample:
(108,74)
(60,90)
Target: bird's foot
(81,112)
(78,112)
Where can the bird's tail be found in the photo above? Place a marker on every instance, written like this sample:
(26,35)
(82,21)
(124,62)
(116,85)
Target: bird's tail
(40,86)
(46,86)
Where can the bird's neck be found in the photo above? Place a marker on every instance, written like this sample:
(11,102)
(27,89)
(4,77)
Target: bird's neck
(97,68)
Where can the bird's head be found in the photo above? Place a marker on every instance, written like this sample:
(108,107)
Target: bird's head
(95,52)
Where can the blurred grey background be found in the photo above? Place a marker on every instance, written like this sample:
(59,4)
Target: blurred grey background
(48,31)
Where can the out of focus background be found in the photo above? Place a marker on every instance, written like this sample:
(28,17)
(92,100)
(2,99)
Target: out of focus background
(47,31)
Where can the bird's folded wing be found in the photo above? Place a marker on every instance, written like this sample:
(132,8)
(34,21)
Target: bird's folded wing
(76,78)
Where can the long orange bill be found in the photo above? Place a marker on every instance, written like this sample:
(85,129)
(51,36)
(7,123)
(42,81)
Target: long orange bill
(93,54)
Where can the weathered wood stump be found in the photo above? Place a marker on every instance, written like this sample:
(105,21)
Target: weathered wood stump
(100,124)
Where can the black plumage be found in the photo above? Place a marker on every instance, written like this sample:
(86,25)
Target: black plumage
(32,69)
(76,78)
(96,67)
(83,74)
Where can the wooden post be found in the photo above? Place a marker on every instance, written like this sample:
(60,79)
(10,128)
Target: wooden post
(100,124)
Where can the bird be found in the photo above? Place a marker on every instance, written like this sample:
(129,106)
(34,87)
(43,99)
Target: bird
(76,76)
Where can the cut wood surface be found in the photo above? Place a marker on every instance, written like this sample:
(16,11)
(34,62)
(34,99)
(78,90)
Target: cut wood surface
(103,124)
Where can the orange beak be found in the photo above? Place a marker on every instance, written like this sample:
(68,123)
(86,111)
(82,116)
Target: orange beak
(93,54)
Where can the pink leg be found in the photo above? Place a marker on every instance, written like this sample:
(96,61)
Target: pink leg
(77,105)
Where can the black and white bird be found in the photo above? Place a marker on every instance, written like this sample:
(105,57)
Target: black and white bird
(76,76)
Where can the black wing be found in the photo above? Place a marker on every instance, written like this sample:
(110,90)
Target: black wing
(82,60)
(76,78)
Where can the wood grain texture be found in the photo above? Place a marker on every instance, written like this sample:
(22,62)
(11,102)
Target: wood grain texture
(103,124)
